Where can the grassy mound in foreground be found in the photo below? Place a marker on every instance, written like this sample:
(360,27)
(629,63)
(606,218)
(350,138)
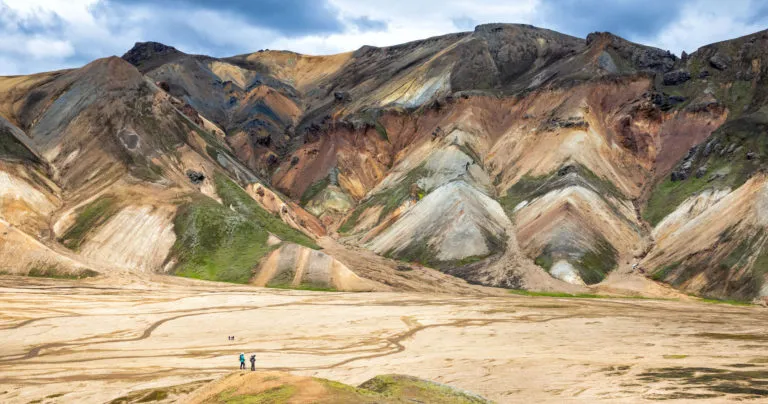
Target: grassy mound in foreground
(277,388)
(224,242)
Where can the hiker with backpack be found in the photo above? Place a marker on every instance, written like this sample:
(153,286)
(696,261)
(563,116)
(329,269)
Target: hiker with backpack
(253,362)
(242,360)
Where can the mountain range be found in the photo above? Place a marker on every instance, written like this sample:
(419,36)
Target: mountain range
(511,156)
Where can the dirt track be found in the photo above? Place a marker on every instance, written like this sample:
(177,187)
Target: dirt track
(96,341)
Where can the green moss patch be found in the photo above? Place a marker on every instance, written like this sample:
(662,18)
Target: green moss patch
(418,251)
(314,190)
(662,273)
(592,265)
(411,389)
(555,294)
(216,242)
(89,218)
(529,187)
(389,199)
(597,262)
(232,195)
(750,383)
(275,395)
(735,268)
(727,171)
(50,270)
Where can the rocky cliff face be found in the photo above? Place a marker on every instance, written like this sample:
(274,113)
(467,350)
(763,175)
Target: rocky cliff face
(509,156)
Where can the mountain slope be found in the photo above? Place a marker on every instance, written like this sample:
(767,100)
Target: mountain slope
(106,174)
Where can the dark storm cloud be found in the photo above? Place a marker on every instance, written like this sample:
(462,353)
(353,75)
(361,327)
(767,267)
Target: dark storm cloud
(626,18)
(288,17)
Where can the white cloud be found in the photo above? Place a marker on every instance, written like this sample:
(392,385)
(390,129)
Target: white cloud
(704,22)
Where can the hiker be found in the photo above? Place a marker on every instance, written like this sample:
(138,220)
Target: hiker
(253,362)
(242,360)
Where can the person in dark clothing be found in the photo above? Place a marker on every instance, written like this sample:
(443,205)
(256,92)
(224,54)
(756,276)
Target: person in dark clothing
(253,362)
(242,360)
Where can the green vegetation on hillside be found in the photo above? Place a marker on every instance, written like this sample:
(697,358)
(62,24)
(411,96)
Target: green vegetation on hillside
(389,199)
(51,270)
(232,195)
(735,269)
(411,389)
(216,242)
(593,264)
(419,252)
(88,219)
(275,395)
(529,187)
(521,292)
(732,302)
(313,190)
(385,389)
(661,273)
(724,170)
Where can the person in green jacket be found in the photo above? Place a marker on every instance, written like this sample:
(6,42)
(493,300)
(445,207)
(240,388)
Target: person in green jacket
(242,360)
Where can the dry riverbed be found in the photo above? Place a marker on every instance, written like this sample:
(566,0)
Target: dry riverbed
(94,341)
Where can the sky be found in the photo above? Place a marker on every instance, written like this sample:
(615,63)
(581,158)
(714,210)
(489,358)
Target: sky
(44,35)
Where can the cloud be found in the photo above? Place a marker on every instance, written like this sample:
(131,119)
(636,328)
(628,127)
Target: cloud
(37,35)
(464,23)
(706,21)
(627,18)
(365,23)
(288,17)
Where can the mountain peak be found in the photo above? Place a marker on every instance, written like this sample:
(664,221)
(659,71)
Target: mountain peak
(148,55)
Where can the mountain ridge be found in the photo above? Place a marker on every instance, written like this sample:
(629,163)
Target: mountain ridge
(571,158)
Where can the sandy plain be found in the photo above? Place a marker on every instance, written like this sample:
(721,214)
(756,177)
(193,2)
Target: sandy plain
(92,341)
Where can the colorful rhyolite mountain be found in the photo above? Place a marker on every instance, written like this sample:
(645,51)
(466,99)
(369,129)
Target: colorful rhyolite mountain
(510,156)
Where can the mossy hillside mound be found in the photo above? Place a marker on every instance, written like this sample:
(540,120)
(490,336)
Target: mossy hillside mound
(278,388)
(225,242)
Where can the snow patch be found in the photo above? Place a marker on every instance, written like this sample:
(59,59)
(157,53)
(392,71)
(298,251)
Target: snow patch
(421,94)
(520,206)
(564,271)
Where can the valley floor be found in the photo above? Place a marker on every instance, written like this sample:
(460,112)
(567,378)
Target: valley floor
(94,341)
